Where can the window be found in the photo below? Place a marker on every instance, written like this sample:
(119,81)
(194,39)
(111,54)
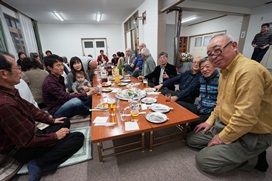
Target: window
(198,42)
(206,40)
(16,33)
(88,44)
(100,44)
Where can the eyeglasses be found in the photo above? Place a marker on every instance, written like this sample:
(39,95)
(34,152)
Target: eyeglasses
(218,51)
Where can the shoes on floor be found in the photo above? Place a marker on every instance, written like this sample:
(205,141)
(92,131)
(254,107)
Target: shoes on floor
(34,170)
(262,164)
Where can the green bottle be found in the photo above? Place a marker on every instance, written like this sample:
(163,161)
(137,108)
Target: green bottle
(121,68)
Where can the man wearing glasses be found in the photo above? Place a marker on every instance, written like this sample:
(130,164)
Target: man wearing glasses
(42,150)
(238,132)
(188,84)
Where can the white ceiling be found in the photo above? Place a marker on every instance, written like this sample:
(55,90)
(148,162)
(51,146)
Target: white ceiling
(77,11)
(117,11)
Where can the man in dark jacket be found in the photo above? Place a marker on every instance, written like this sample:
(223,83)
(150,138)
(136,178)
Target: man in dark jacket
(188,84)
(162,72)
(208,93)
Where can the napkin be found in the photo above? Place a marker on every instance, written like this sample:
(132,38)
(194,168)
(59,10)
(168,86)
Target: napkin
(144,107)
(104,124)
(129,126)
(100,120)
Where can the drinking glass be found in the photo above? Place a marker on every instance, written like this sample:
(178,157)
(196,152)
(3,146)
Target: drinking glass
(112,106)
(145,81)
(134,114)
(167,97)
(99,90)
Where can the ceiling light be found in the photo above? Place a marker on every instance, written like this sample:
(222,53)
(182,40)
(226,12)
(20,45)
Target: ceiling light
(58,15)
(98,16)
(188,19)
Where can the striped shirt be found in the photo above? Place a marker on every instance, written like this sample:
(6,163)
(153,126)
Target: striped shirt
(208,93)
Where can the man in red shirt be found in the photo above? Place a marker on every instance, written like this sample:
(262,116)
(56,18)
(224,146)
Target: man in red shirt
(102,57)
(43,150)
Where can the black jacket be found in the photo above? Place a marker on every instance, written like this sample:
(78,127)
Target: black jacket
(155,75)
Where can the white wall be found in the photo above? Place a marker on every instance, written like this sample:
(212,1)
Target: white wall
(65,39)
(170,34)
(148,33)
(230,24)
(259,16)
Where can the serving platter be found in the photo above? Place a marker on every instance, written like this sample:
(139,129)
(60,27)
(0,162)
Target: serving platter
(128,94)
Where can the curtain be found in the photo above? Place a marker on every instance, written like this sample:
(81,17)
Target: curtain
(36,31)
(3,45)
(28,34)
(10,44)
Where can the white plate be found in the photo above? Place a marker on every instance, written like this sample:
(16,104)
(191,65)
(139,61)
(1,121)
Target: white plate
(149,100)
(123,84)
(156,117)
(126,80)
(150,89)
(160,108)
(124,95)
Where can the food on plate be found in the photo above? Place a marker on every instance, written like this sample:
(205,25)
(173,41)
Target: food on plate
(102,105)
(106,84)
(108,89)
(130,94)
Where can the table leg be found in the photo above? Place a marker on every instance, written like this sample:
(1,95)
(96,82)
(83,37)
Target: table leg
(143,142)
(185,126)
(151,141)
(99,149)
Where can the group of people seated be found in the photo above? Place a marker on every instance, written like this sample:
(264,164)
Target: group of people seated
(234,107)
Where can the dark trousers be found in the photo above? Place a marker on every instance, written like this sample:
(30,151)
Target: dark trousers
(188,99)
(193,108)
(258,54)
(49,158)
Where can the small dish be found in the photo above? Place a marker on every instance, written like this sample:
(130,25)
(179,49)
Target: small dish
(156,117)
(102,106)
(106,89)
(106,84)
(126,80)
(150,89)
(149,100)
(160,108)
(122,84)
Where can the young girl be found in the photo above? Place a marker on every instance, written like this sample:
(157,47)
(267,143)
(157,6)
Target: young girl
(81,84)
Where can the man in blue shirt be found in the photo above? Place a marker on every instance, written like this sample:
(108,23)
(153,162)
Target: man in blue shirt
(136,67)
(188,84)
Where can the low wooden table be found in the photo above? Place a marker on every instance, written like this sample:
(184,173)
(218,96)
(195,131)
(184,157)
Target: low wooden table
(177,116)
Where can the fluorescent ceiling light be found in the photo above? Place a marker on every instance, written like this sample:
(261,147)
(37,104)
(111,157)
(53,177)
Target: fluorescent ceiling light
(188,19)
(98,16)
(58,15)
